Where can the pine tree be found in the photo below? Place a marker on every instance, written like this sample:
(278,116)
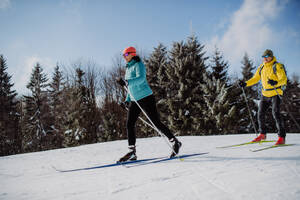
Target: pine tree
(156,75)
(220,114)
(184,78)
(219,67)
(70,124)
(247,73)
(91,114)
(111,124)
(290,106)
(156,65)
(75,132)
(9,118)
(82,119)
(219,98)
(251,95)
(36,111)
(57,107)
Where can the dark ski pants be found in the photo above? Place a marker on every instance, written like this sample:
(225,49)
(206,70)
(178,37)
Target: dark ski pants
(148,104)
(264,104)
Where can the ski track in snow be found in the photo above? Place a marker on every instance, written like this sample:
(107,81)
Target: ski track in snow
(225,174)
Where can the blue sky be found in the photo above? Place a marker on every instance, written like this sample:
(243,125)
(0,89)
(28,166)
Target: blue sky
(51,31)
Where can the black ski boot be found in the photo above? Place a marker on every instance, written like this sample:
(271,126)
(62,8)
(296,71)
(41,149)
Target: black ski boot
(176,146)
(129,156)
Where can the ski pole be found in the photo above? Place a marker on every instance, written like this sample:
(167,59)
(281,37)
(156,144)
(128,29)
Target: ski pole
(249,111)
(155,128)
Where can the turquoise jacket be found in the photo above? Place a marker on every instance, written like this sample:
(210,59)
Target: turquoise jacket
(137,82)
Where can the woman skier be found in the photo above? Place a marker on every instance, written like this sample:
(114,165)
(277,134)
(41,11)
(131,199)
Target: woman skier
(140,92)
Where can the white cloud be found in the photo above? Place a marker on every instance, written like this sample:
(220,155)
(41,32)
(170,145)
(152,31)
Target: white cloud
(249,30)
(5,4)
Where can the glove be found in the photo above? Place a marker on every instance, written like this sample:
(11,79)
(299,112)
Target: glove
(242,84)
(121,82)
(125,105)
(272,82)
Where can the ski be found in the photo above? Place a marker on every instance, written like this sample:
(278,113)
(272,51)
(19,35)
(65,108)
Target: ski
(271,147)
(246,143)
(181,158)
(132,163)
(105,166)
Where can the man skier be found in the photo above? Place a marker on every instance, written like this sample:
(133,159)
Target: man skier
(140,91)
(273,77)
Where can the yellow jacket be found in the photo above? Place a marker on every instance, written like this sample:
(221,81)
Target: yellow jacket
(266,74)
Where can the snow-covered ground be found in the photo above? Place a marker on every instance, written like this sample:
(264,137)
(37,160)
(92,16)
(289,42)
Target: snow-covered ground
(234,173)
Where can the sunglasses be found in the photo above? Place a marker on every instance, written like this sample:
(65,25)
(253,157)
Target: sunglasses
(127,54)
(266,56)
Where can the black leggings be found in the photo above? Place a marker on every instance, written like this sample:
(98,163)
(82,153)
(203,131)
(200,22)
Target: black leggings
(148,104)
(264,104)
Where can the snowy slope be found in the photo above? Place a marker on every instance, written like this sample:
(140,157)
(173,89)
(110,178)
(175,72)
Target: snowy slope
(234,173)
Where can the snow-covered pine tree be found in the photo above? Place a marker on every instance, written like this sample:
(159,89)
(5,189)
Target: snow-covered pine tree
(220,98)
(220,116)
(156,65)
(9,118)
(75,132)
(110,128)
(290,106)
(80,98)
(247,72)
(219,66)
(70,124)
(156,75)
(36,111)
(183,86)
(57,107)
(253,94)
(91,114)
